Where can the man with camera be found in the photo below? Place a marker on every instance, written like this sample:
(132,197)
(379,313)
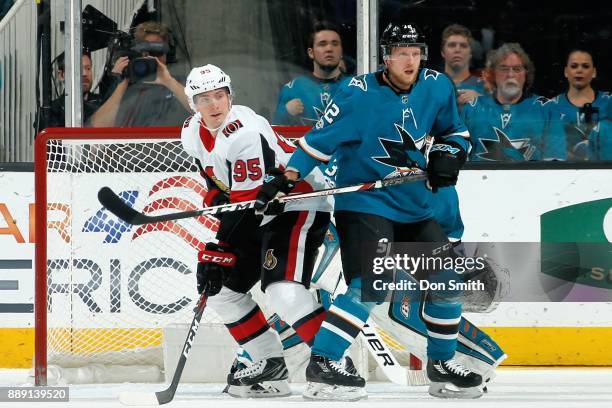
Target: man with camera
(147,94)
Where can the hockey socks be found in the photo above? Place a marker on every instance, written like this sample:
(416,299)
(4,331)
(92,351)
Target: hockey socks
(296,306)
(345,319)
(246,323)
(442,320)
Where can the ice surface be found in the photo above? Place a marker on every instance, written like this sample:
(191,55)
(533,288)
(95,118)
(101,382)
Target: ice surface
(513,387)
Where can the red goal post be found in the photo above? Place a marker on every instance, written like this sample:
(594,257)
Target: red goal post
(75,238)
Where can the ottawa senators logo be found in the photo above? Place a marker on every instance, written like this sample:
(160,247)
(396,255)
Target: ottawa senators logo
(270,260)
(232,127)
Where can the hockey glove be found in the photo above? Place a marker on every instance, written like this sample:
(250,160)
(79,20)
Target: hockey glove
(215,263)
(276,183)
(215,197)
(445,161)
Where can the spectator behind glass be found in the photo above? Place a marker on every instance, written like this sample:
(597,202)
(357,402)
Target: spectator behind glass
(303,100)
(512,124)
(160,102)
(91,101)
(456,50)
(581,106)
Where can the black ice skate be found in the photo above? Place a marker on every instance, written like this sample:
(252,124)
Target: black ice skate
(264,378)
(449,379)
(330,380)
(349,366)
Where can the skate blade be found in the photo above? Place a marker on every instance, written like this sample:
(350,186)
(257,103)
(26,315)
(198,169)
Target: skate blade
(448,390)
(321,392)
(265,389)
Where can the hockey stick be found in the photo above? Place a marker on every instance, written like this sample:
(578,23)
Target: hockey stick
(387,362)
(165,396)
(109,199)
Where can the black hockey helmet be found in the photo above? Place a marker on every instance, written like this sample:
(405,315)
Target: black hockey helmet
(402,35)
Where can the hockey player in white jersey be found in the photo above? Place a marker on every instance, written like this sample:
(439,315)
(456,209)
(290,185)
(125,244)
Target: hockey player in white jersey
(234,148)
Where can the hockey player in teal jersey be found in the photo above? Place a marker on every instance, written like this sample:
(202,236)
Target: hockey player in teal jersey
(302,100)
(375,127)
(512,124)
(582,107)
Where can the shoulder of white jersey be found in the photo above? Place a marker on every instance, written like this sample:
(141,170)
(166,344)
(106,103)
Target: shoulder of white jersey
(187,121)
(240,118)
(243,124)
(191,123)
(190,134)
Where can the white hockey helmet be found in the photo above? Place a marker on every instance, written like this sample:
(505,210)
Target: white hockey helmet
(203,79)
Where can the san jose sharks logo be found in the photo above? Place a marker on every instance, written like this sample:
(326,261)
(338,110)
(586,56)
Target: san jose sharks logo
(505,149)
(397,153)
(359,82)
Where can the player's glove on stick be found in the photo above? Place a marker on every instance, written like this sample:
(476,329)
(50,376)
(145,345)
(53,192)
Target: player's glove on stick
(215,263)
(445,161)
(215,197)
(276,183)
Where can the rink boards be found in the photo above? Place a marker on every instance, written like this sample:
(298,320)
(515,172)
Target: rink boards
(497,206)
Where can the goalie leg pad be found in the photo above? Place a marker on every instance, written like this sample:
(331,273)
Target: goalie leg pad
(403,321)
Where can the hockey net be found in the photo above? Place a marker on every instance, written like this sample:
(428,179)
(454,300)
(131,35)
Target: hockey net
(105,289)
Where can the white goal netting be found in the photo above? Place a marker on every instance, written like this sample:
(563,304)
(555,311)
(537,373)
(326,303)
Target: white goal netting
(112,288)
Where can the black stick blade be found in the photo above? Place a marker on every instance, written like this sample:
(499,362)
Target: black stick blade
(113,203)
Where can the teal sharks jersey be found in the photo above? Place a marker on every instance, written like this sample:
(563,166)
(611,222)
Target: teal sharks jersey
(375,133)
(314,93)
(530,129)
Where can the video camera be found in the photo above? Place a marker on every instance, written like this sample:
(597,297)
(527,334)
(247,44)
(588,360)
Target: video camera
(99,31)
(140,67)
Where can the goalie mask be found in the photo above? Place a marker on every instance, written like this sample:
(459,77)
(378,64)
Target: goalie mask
(402,35)
(203,79)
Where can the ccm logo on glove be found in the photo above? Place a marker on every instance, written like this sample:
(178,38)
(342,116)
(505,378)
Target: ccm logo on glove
(219,258)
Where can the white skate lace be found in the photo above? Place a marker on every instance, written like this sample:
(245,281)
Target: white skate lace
(457,368)
(339,367)
(256,368)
